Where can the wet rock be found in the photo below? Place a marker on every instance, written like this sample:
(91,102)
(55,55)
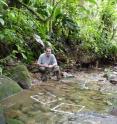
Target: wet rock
(36,82)
(33,68)
(111,76)
(115,68)
(21,75)
(114,112)
(113,80)
(67,75)
(8,87)
(90,118)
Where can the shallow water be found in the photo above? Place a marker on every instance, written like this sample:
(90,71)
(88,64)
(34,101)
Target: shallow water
(49,102)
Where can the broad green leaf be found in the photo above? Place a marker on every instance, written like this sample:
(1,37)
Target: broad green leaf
(1,21)
(57,13)
(18,47)
(24,56)
(49,44)
(1,70)
(15,51)
(92,1)
(1,36)
(3,2)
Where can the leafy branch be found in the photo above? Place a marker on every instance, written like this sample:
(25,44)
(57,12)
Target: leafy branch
(36,14)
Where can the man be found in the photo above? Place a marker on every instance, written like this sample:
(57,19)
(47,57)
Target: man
(47,62)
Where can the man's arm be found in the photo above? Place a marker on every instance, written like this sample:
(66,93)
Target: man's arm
(54,62)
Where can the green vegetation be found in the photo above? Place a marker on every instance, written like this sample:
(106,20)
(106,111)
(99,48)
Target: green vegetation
(8,87)
(87,26)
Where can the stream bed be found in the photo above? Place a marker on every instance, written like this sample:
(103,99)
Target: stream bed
(86,98)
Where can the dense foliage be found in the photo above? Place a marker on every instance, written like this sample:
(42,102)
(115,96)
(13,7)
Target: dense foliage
(83,25)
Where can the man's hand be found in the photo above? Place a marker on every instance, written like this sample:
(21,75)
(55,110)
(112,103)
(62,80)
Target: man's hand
(45,65)
(50,66)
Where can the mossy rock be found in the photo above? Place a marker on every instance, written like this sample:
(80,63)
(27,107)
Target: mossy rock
(2,118)
(14,121)
(21,75)
(8,87)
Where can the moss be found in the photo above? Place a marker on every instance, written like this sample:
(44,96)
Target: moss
(8,87)
(14,121)
(21,75)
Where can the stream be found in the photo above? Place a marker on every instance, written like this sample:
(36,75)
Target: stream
(86,98)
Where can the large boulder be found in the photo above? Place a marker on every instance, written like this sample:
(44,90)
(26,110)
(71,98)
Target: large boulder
(8,87)
(21,75)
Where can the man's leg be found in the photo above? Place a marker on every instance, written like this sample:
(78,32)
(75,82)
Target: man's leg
(43,71)
(57,72)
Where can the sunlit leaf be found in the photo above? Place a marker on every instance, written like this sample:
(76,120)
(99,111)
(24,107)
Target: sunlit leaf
(1,70)
(1,21)
(92,1)
(38,39)
(57,13)
(3,2)
(15,51)
(24,56)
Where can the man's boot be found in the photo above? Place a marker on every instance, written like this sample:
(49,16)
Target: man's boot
(58,76)
(44,77)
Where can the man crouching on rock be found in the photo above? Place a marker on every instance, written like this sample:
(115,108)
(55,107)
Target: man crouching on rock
(47,63)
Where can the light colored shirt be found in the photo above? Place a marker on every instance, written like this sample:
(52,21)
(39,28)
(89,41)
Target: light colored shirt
(44,59)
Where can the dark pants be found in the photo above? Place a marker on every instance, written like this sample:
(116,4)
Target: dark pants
(46,71)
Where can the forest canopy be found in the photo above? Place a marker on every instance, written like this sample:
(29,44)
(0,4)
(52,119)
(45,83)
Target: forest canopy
(87,26)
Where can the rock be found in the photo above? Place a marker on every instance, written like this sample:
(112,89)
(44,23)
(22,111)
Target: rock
(33,68)
(8,87)
(21,75)
(35,82)
(67,75)
(115,68)
(114,112)
(89,118)
(111,76)
(2,118)
(113,80)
